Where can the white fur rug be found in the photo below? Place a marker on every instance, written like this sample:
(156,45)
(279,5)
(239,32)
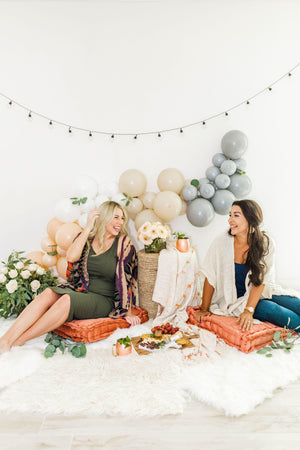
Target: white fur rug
(156,384)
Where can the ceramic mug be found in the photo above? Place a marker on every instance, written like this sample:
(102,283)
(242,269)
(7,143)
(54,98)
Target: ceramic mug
(120,349)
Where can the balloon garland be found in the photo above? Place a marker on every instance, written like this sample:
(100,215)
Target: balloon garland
(199,199)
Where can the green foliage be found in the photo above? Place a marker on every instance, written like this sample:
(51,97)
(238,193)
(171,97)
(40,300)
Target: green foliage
(195,182)
(179,235)
(20,282)
(54,342)
(240,172)
(125,341)
(278,342)
(127,200)
(78,201)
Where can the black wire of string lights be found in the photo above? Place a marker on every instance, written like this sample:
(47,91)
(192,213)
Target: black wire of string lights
(159,133)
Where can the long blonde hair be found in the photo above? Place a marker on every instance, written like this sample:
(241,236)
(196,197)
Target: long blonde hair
(107,211)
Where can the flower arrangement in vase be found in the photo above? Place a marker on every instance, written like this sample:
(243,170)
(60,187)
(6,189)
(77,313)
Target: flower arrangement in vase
(182,242)
(154,236)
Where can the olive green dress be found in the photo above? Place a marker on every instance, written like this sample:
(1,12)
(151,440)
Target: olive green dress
(98,301)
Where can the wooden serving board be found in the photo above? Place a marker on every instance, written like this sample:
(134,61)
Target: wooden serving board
(137,340)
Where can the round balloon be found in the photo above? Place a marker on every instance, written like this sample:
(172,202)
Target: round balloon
(147,215)
(109,189)
(84,186)
(132,182)
(234,144)
(183,209)
(203,181)
(66,234)
(52,227)
(61,267)
(228,167)
(222,181)
(119,198)
(240,185)
(240,163)
(167,205)
(66,212)
(218,159)
(171,180)
(61,251)
(147,199)
(207,190)
(49,260)
(83,220)
(189,192)
(134,207)
(212,172)
(101,198)
(48,245)
(222,201)
(87,206)
(36,257)
(200,212)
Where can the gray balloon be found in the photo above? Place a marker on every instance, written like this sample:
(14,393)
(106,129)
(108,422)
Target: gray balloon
(222,181)
(212,172)
(234,144)
(241,163)
(222,201)
(203,181)
(240,185)
(218,158)
(228,167)
(189,192)
(207,190)
(200,212)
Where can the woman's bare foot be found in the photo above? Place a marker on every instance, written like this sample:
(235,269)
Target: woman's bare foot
(4,347)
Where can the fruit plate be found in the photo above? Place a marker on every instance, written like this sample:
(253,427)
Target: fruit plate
(136,341)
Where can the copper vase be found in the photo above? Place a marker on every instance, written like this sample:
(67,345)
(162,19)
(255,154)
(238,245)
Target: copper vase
(183,245)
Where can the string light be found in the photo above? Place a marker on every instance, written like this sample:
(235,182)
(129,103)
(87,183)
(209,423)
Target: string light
(158,133)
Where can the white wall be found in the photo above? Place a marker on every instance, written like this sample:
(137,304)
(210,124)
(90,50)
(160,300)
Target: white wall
(139,66)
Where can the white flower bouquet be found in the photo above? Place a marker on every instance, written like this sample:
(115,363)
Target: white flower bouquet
(154,236)
(20,282)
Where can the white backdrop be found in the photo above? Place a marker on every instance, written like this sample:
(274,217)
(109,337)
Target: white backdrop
(139,66)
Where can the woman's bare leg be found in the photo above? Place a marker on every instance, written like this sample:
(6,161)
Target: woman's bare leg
(56,315)
(28,317)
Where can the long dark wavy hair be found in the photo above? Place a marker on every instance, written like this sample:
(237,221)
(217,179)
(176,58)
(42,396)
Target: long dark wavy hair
(257,240)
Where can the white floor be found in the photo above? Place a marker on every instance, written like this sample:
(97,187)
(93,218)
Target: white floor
(273,425)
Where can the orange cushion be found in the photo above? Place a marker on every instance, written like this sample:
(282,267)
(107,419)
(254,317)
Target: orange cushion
(228,329)
(92,330)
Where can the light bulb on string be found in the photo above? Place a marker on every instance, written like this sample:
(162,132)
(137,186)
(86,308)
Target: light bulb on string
(135,137)
(112,136)
(159,135)
(70,131)
(226,114)
(50,122)
(181,130)
(270,88)
(29,115)
(90,134)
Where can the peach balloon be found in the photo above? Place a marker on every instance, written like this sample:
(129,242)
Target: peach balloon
(61,267)
(147,215)
(48,245)
(134,207)
(48,260)
(66,234)
(35,257)
(132,182)
(52,227)
(171,180)
(167,205)
(183,208)
(61,251)
(147,199)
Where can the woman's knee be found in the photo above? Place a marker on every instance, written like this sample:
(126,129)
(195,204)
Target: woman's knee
(63,303)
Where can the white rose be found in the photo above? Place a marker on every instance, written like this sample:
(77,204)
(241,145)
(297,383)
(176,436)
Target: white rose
(4,270)
(12,286)
(19,265)
(32,267)
(40,271)
(13,273)
(2,278)
(25,274)
(35,284)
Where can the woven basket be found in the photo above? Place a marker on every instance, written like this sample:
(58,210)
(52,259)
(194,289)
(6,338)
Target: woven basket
(147,266)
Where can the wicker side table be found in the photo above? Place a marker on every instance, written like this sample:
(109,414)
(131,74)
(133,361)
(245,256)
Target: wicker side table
(147,270)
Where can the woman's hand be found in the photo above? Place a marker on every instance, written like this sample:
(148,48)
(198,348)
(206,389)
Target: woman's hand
(246,320)
(91,218)
(132,319)
(201,313)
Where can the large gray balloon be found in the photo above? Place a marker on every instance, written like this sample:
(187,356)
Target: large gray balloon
(234,144)
(240,185)
(228,167)
(222,201)
(222,181)
(218,158)
(212,172)
(189,192)
(207,190)
(200,212)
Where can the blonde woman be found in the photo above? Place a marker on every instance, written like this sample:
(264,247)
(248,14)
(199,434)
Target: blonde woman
(101,280)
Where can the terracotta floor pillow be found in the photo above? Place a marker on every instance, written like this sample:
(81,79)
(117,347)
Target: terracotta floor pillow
(92,330)
(228,329)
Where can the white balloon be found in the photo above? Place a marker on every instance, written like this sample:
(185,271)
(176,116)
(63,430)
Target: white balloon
(65,211)
(84,186)
(87,206)
(110,189)
(83,219)
(119,198)
(101,198)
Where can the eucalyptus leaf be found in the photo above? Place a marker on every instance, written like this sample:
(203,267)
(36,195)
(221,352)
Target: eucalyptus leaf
(276,336)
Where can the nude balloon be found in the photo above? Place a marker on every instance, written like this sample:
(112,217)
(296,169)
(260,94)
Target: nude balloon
(35,257)
(49,260)
(66,234)
(171,180)
(48,244)
(147,199)
(134,207)
(132,182)
(61,267)
(147,215)
(52,227)
(167,205)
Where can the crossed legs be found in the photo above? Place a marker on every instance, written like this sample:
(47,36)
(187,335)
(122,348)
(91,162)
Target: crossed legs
(45,313)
